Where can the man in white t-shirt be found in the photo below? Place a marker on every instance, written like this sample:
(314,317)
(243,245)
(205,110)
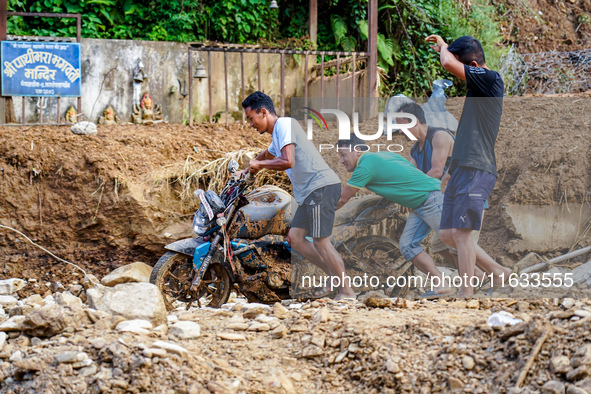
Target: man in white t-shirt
(316,186)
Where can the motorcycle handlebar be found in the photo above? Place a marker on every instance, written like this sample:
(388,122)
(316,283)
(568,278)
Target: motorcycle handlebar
(249,179)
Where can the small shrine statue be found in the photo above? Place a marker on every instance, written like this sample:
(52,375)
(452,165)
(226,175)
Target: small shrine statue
(109,117)
(71,115)
(146,113)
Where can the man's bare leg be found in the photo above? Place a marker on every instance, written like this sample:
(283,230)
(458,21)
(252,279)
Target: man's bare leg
(333,259)
(320,253)
(453,259)
(307,249)
(425,263)
(471,254)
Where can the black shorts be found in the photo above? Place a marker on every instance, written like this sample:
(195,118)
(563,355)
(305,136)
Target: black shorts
(317,212)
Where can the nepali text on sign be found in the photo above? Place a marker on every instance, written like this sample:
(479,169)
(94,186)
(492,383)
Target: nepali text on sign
(40,69)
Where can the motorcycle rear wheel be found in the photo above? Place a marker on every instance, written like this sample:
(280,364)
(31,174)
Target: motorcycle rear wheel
(173,275)
(382,257)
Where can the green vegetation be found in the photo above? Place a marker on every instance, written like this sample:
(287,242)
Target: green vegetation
(408,62)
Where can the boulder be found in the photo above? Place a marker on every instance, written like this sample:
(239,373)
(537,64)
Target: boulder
(130,301)
(13,324)
(135,272)
(9,286)
(84,128)
(51,320)
(69,300)
(7,301)
(185,330)
(582,274)
(138,326)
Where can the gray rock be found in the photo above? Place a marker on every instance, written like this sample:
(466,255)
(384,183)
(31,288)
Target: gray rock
(16,356)
(279,332)
(131,301)
(468,362)
(15,323)
(257,326)
(135,272)
(311,351)
(185,330)
(172,348)
(250,311)
(71,357)
(138,326)
(7,301)
(69,300)
(579,373)
(567,303)
(560,365)
(51,320)
(84,128)
(582,356)
(230,336)
(20,310)
(321,316)
(237,326)
(582,274)
(9,286)
(553,387)
(2,339)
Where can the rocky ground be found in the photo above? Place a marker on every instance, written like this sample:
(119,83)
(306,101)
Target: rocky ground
(118,337)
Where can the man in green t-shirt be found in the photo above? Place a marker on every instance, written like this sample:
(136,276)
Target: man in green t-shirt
(393,177)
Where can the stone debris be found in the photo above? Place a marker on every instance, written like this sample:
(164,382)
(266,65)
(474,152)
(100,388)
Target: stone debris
(7,301)
(171,348)
(10,286)
(185,330)
(87,343)
(228,336)
(131,301)
(135,272)
(84,128)
(138,326)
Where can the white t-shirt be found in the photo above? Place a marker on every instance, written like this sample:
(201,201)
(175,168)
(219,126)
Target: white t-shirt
(310,171)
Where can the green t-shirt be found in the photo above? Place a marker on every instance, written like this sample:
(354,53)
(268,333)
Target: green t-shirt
(391,176)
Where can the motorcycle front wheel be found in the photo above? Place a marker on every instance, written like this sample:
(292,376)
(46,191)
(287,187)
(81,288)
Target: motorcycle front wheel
(173,275)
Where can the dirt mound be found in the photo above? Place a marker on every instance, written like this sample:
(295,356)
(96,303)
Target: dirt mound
(542,26)
(103,200)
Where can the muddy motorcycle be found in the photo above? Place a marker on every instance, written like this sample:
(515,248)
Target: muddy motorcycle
(241,241)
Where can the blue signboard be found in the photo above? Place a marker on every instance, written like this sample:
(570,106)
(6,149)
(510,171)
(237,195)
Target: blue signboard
(40,69)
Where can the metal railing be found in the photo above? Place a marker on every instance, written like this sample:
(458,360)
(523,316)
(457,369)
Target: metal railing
(351,57)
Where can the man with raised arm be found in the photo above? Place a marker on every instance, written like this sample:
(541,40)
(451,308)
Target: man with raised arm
(472,173)
(316,186)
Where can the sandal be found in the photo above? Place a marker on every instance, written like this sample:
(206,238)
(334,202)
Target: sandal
(342,297)
(324,292)
(432,295)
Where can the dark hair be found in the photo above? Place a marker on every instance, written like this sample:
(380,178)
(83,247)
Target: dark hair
(352,141)
(257,101)
(415,109)
(467,49)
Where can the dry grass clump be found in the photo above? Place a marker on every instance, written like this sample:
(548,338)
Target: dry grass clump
(177,182)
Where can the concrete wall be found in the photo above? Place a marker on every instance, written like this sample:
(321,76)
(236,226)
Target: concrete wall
(107,79)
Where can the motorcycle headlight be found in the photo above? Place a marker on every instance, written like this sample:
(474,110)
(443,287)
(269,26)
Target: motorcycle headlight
(200,223)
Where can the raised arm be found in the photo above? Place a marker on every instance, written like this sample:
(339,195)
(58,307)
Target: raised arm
(447,59)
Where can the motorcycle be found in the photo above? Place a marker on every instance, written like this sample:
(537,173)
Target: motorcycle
(242,242)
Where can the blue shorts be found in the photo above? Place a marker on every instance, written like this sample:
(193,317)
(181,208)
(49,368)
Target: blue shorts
(464,198)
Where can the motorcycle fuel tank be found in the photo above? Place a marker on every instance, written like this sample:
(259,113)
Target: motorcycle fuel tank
(269,211)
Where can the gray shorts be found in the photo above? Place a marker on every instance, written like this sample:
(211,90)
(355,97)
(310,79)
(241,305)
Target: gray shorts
(317,213)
